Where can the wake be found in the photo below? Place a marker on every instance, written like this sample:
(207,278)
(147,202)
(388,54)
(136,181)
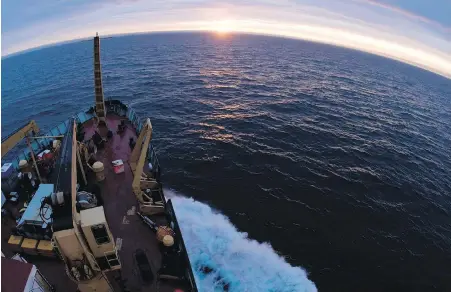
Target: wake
(225,259)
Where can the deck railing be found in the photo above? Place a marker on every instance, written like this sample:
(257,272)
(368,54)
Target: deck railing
(40,144)
(115,106)
(122,109)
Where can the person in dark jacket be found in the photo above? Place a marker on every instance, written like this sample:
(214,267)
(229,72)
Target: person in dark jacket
(131,143)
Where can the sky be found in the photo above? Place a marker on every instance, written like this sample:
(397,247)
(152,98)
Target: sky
(417,32)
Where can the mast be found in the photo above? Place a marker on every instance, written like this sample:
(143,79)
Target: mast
(100,103)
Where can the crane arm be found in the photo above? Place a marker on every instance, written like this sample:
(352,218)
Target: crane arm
(139,147)
(138,158)
(13,139)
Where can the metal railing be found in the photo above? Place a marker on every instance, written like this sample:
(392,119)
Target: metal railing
(122,109)
(114,106)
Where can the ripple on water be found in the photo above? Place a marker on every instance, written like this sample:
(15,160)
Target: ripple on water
(340,159)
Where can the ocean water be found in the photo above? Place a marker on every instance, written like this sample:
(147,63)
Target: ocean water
(303,161)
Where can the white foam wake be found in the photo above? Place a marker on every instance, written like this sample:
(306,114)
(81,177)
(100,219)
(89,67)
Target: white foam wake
(224,257)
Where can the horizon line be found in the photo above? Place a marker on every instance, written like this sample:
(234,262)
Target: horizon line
(81,39)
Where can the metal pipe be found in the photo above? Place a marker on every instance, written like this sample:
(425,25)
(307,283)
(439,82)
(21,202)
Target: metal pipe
(148,222)
(43,137)
(34,160)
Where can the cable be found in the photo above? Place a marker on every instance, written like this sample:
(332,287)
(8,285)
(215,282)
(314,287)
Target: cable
(43,210)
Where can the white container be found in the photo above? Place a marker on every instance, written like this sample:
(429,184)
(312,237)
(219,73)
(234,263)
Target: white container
(56,144)
(99,170)
(23,164)
(118,166)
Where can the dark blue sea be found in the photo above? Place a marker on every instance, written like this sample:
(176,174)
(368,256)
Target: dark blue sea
(336,163)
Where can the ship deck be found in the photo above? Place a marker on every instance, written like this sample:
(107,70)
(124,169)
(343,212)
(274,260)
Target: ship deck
(52,269)
(120,206)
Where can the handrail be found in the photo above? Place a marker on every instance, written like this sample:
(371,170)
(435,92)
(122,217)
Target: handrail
(119,108)
(18,135)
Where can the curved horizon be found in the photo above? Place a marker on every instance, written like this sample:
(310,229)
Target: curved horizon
(376,27)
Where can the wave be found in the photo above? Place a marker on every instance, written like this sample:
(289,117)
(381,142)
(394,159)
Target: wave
(225,259)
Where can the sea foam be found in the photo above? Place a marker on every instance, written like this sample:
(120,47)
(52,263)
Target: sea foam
(225,259)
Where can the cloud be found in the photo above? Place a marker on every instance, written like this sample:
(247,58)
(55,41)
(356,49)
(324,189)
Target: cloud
(360,24)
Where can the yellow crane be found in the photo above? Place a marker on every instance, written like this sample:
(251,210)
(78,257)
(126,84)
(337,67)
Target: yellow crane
(141,180)
(78,242)
(13,139)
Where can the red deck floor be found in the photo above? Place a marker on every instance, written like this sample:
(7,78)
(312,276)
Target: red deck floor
(120,205)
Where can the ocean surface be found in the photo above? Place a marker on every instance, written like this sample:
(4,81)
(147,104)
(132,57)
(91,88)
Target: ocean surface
(336,163)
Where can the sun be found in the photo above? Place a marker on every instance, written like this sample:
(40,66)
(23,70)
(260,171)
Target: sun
(223,27)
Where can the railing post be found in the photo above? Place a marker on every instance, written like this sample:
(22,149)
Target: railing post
(34,160)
